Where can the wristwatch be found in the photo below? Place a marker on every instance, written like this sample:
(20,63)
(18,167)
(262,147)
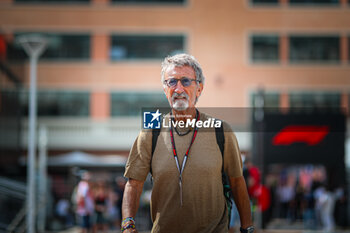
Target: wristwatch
(247,230)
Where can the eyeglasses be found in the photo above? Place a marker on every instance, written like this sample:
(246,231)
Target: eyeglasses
(172,82)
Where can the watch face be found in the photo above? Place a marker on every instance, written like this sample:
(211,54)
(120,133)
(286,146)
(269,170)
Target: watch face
(247,230)
(250,229)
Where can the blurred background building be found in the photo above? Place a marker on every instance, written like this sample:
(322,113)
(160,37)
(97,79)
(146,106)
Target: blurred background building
(102,65)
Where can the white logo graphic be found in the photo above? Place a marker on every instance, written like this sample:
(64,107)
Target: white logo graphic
(151,120)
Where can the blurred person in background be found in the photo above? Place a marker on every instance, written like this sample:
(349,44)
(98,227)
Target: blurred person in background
(85,202)
(341,207)
(63,211)
(252,176)
(309,217)
(297,206)
(112,213)
(258,193)
(100,199)
(325,203)
(3,47)
(318,181)
(119,192)
(286,194)
(186,198)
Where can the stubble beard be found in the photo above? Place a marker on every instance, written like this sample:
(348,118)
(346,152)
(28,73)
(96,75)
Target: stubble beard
(180,102)
(180,105)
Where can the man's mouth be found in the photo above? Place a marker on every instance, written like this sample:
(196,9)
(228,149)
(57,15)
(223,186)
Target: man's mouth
(180,98)
(180,101)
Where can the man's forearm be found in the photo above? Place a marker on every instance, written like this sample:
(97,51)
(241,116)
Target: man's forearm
(241,198)
(131,199)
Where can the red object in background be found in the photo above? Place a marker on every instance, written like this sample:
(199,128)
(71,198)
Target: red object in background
(262,194)
(254,180)
(258,191)
(3,47)
(311,135)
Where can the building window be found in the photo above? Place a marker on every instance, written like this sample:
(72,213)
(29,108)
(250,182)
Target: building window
(314,2)
(271,101)
(56,103)
(60,47)
(9,103)
(315,101)
(314,49)
(264,48)
(52,1)
(149,1)
(264,2)
(131,103)
(128,47)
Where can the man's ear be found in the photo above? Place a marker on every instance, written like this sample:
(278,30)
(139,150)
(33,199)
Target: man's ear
(199,89)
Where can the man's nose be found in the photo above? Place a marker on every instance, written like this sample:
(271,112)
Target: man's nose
(179,88)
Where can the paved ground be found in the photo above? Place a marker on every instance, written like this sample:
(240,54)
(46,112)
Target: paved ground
(77,230)
(275,226)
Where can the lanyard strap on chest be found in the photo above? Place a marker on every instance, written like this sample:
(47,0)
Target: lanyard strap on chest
(188,149)
(185,157)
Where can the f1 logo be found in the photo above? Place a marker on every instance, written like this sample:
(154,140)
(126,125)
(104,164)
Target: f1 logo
(151,120)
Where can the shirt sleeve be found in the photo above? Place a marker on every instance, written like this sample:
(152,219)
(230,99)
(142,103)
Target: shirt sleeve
(138,164)
(232,154)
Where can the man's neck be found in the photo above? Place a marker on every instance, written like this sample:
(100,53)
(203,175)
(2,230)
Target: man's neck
(189,113)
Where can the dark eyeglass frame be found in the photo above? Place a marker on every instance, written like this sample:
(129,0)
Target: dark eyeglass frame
(186,82)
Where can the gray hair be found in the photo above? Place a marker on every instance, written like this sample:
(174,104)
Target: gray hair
(183,60)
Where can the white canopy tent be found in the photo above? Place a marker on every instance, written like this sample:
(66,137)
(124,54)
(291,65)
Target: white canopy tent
(82,159)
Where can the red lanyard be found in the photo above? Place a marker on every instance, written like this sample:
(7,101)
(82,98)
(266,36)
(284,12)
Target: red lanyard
(186,154)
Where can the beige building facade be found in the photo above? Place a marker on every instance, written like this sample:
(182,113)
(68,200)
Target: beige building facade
(242,45)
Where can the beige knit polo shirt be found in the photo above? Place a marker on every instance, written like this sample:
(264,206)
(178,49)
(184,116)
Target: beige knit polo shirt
(204,207)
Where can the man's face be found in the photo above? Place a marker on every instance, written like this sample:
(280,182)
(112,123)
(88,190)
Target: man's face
(181,98)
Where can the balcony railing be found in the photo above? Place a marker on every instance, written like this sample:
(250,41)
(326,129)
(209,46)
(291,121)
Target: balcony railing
(85,133)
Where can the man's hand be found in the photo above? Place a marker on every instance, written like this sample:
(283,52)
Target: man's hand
(130,231)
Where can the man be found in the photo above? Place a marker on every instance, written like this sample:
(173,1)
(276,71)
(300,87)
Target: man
(85,203)
(186,166)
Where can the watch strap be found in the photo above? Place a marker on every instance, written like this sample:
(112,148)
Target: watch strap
(249,229)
